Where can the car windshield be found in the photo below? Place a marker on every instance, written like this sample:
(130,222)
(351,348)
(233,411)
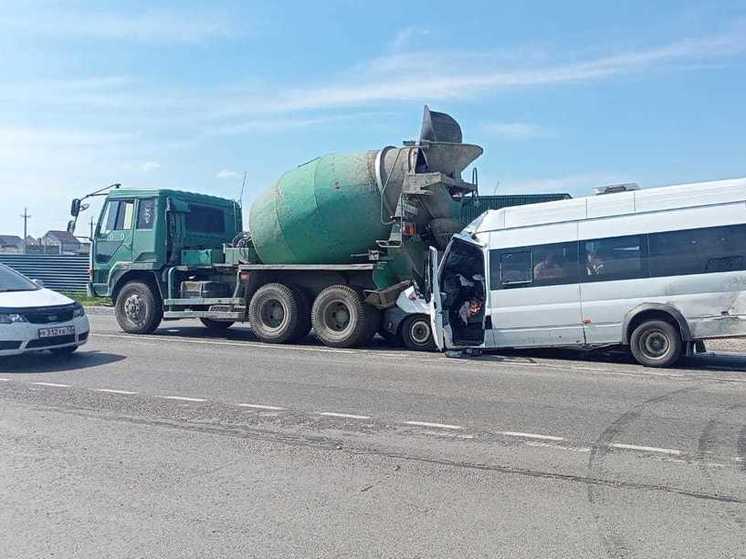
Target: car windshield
(10,280)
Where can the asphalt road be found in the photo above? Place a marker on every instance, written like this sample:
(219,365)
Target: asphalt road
(183,445)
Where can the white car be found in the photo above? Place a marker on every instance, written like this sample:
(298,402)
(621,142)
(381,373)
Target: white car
(34,319)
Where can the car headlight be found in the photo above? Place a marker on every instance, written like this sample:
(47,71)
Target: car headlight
(11,318)
(78,311)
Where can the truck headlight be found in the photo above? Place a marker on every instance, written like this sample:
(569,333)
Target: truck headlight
(11,318)
(78,311)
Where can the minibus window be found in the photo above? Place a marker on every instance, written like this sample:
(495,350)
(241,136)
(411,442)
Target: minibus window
(614,258)
(515,268)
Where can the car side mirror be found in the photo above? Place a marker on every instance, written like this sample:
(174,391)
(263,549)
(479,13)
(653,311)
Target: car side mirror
(38,283)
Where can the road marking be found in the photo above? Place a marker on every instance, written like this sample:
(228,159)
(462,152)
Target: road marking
(52,384)
(4,380)
(113,391)
(183,398)
(435,425)
(262,407)
(670,451)
(531,436)
(344,415)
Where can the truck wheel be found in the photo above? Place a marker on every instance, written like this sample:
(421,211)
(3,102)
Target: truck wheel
(216,326)
(340,318)
(304,314)
(656,343)
(274,313)
(138,310)
(417,333)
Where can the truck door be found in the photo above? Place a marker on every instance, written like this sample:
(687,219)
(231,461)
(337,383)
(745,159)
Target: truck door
(112,242)
(459,295)
(144,247)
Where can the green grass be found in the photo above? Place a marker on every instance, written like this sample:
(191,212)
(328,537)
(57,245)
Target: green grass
(87,301)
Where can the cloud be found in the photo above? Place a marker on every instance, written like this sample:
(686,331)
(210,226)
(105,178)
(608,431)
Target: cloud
(517,130)
(152,26)
(150,166)
(408,36)
(415,76)
(227,174)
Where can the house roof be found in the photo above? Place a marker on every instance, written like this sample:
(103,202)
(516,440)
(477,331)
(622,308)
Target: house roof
(10,240)
(63,236)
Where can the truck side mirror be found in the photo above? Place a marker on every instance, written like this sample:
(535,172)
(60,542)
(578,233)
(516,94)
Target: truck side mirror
(71,226)
(75,208)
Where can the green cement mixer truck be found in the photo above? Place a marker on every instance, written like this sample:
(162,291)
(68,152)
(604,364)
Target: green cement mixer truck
(331,245)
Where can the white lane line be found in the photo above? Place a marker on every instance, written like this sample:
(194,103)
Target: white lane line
(531,436)
(670,451)
(113,391)
(183,398)
(52,384)
(435,425)
(343,415)
(262,407)
(4,380)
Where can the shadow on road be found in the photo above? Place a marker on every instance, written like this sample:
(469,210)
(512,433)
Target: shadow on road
(705,361)
(46,362)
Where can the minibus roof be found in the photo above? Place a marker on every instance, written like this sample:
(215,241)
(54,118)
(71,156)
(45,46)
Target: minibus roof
(607,205)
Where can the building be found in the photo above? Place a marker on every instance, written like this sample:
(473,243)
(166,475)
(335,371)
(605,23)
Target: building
(11,244)
(64,242)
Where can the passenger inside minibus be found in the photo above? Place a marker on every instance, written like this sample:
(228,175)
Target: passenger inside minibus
(463,294)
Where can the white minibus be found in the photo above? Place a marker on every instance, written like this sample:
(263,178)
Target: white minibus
(656,270)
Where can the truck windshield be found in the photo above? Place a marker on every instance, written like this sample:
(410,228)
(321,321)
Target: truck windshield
(10,280)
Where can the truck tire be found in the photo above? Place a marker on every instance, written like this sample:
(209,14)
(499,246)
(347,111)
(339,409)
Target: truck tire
(656,343)
(340,318)
(138,309)
(274,313)
(304,313)
(417,333)
(216,326)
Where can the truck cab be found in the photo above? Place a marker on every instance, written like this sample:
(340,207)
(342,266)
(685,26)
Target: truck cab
(142,232)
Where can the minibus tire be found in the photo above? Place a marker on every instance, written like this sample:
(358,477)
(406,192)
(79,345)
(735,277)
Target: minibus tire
(274,313)
(138,309)
(656,343)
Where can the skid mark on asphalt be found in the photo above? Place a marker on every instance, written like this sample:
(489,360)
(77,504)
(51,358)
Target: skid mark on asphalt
(428,428)
(705,446)
(610,531)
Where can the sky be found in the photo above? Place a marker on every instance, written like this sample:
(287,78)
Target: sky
(563,96)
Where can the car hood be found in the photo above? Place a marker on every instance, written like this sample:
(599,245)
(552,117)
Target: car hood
(37,298)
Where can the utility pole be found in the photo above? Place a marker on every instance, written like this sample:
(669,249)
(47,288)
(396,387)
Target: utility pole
(25,215)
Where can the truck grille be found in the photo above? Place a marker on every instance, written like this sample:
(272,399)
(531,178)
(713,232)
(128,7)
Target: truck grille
(49,315)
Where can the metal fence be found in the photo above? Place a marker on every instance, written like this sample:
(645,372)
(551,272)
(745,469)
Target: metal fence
(61,273)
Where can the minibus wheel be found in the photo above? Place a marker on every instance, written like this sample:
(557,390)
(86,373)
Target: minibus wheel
(656,343)
(417,333)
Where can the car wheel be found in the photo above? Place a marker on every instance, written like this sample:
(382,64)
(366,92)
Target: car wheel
(417,333)
(656,343)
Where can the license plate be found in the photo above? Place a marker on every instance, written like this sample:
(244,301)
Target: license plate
(59,331)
